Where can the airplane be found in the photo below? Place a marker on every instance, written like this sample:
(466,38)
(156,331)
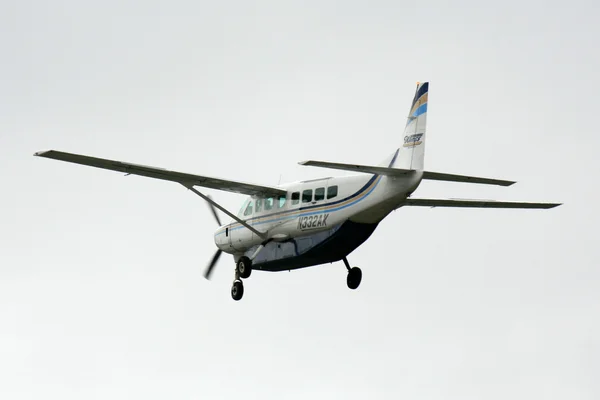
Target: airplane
(316,221)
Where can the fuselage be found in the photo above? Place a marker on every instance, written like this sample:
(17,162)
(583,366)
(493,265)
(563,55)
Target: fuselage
(315,208)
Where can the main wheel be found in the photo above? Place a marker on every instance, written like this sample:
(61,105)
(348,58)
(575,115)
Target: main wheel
(244,267)
(354,277)
(237,290)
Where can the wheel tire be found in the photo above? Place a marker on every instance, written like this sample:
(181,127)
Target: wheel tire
(237,290)
(244,267)
(354,277)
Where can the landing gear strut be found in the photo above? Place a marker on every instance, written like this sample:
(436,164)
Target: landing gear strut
(354,275)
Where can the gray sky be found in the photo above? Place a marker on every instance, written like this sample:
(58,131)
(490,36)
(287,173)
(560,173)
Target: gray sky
(101,288)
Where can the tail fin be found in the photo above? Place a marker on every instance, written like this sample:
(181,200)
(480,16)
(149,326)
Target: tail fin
(412,152)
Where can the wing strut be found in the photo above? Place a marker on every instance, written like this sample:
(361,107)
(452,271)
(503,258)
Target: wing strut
(217,205)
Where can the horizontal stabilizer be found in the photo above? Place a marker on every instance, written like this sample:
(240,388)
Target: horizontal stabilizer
(435,176)
(359,168)
(475,204)
(164,174)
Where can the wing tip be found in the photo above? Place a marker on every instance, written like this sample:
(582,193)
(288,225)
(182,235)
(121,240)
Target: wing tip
(41,153)
(304,162)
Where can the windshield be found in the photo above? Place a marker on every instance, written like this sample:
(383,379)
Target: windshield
(244,207)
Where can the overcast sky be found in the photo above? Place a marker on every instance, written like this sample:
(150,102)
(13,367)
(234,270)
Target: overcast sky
(101,288)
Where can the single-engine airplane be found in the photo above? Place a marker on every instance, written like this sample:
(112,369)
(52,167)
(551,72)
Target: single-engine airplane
(317,221)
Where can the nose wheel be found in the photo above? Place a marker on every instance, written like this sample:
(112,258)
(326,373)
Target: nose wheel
(354,276)
(237,290)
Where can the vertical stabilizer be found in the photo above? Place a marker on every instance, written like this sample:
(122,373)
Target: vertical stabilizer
(411,153)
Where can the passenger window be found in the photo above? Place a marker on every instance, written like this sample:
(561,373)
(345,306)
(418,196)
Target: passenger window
(268,203)
(258,207)
(281,203)
(332,191)
(295,198)
(307,196)
(319,194)
(248,210)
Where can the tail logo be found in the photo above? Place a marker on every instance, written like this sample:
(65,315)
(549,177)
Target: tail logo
(413,140)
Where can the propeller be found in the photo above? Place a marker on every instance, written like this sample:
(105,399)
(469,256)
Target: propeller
(214,211)
(212,264)
(217,254)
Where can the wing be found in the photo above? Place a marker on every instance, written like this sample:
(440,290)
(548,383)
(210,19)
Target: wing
(164,174)
(436,176)
(475,204)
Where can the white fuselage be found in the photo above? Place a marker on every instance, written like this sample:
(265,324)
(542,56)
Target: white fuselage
(316,205)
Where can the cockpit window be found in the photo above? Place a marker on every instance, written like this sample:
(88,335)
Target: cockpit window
(243,207)
(258,204)
(248,210)
(268,203)
(281,203)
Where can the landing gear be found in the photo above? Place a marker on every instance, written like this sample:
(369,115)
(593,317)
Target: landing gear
(354,275)
(237,290)
(244,267)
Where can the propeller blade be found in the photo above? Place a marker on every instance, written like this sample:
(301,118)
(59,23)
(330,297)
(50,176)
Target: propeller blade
(214,211)
(212,264)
